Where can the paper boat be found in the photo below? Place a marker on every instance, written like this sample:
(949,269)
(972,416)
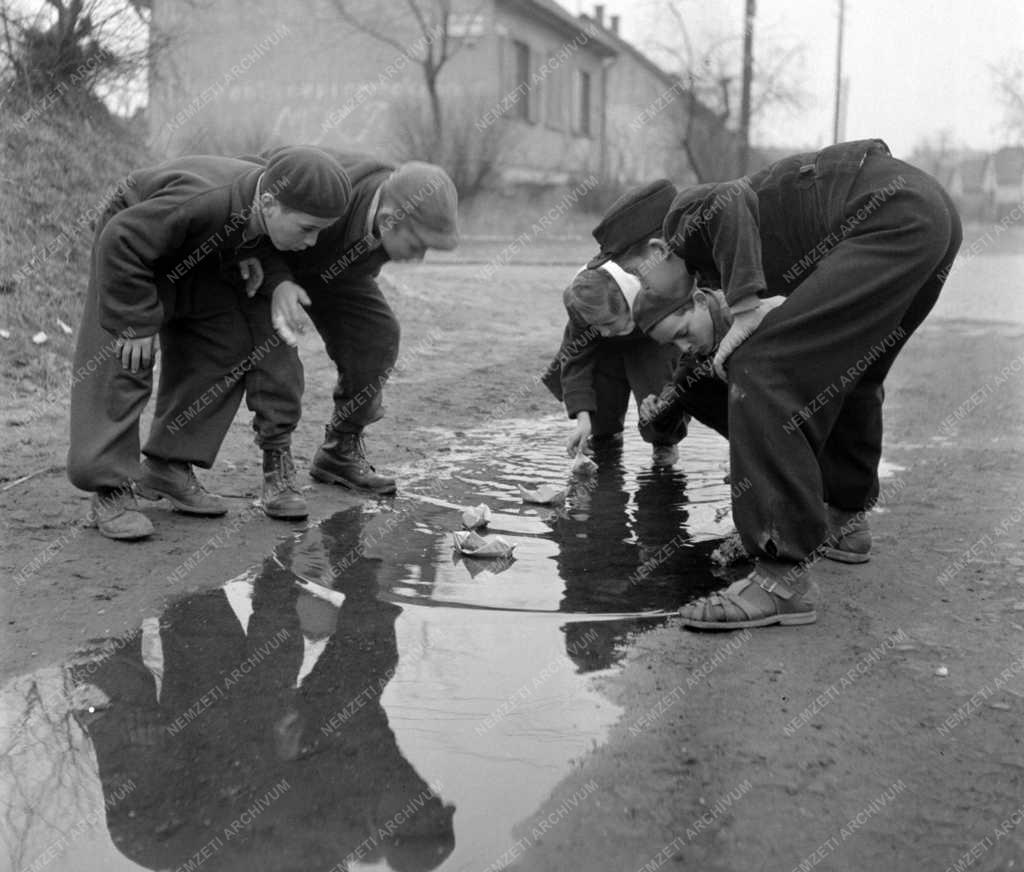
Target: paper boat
(335,597)
(473,544)
(478,516)
(584,465)
(545,495)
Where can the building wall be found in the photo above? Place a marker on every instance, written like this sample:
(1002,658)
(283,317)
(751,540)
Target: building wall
(293,73)
(234,80)
(548,146)
(645,123)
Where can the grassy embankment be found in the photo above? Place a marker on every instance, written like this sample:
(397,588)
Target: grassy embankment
(56,167)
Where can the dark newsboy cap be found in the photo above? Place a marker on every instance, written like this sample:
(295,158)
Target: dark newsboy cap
(636,215)
(308,180)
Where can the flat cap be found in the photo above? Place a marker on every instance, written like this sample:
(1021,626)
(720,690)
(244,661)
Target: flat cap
(636,215)
(426,195)
(308,180)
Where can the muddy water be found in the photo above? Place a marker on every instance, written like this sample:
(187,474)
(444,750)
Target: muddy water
(364,697)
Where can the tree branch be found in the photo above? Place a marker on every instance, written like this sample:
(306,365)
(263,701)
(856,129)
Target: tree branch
(363,27)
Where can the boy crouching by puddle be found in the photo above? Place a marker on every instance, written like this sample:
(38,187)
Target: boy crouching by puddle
(603,357)
(796,387)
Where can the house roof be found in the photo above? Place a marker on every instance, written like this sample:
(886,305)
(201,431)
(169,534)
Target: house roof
(1009,165)
(558,19)
(628,48)
(671,80)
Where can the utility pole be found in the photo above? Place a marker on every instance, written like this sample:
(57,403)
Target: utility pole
(748,75)
(839,73)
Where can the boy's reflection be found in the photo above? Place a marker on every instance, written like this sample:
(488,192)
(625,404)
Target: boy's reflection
(618,557)
(268,689)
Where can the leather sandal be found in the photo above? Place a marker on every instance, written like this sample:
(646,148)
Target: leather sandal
(736,609)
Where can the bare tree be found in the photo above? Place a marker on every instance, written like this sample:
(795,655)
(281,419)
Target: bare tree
(72,50)
(436,41)
(469,151)
(937,154)
(1009,81)
(446,130)
(712,79)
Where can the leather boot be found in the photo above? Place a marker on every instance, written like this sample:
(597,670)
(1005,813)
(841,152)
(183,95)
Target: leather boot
(342,460)
(177,483)
(116,514)
(606,445)
(281,498)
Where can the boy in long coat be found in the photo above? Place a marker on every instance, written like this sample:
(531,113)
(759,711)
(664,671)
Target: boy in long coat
(157,261)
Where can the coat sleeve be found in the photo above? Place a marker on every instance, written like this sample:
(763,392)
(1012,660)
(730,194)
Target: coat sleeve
(275,271)
(578,359)
(131,248)
(726,226)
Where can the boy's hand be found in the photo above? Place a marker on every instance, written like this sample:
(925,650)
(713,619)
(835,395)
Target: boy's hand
(577,440)
(743,324)
(655,405)
(136,352)
(286,312)
(650,408)
(252,274)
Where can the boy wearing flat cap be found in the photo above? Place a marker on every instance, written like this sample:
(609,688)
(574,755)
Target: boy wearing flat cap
(158,267)
(603,357)
(396,213)
(859,244)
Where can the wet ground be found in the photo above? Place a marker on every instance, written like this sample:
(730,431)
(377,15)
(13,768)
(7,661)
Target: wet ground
(439,727)
(358,695)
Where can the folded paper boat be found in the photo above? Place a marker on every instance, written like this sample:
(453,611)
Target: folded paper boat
(545,495)
(335,597)
(584,465)
(473,544)
(478,516)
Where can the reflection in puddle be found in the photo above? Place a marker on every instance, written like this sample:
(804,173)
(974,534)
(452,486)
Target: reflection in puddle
(365,698)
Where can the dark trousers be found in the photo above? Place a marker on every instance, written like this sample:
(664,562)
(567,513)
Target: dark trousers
(274,380)
(361,335)
(639,367)
(204,336)
(805,391)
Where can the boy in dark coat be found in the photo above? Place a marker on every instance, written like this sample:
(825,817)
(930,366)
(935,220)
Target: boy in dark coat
(157,269)
(396,213)
(859,244)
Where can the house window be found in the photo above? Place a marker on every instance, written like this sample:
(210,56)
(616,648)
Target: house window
(521,85)
(554,97)
(581,104)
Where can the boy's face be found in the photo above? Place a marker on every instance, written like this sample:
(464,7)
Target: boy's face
(690,329)
(615,325)
(399,238)
(289,230)
(659,269)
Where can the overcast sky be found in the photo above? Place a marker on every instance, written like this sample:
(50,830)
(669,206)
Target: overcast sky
(914,67)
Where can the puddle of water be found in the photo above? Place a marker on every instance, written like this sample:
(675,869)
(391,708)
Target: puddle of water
(625,517)
(365,696)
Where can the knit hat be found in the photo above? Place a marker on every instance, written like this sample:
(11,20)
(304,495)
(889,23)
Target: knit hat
(636,215)
(308,180)
(424,194)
